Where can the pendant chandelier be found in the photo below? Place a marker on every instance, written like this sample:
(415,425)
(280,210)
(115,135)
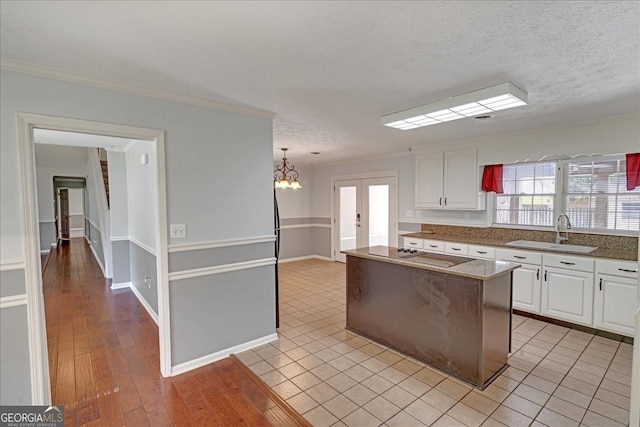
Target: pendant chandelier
(286,175)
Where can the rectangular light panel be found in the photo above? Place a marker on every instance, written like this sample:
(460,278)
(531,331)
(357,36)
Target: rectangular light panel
(494,98)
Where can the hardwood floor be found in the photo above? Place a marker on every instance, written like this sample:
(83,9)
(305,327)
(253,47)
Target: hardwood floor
(104,361)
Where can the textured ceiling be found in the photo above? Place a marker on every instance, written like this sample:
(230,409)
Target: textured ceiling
(331,69)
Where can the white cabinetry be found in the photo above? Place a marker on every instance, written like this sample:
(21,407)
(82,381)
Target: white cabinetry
(615,296)
(433,245)
(447,180)
(567,288)
(412,242)
(482,252)
(456,248)
(526,279)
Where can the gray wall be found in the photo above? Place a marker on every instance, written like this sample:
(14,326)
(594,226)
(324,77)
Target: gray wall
(143,263)
(47,234)
(15,387)
(95,238)
(202,145)
(223,315)
(121,261)
(309,237)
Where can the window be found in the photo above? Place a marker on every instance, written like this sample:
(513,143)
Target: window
(529,195)
(596,195)
(591,191)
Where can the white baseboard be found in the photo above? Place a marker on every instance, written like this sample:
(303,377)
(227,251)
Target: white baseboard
(300,258)
(44,251)
(76,232)
(95,255)
(121,285)
(145,304)
(214,357)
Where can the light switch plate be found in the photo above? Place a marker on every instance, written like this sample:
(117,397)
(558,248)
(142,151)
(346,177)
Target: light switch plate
(408,213)
(178,231)
(418,213)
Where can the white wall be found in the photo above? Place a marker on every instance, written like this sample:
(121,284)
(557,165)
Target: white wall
(76,201)
(607,136)
(44,179)
(141,192)
(119,210)
(297,203)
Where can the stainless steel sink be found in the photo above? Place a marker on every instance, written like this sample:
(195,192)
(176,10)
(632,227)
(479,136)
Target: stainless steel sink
(528,244)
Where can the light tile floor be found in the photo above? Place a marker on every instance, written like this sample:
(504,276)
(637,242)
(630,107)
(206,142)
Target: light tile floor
(558,376)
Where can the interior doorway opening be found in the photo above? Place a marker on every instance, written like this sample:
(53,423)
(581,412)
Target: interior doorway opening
(28,124)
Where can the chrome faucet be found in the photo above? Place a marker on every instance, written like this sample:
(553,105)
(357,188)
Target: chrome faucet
(559,238)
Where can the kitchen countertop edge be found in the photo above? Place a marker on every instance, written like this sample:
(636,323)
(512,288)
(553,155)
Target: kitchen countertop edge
(614,254)
(477,269)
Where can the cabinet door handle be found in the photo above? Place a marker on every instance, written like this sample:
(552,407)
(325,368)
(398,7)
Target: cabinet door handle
(520,257)
(445,201)
(413,243)
(567,263)
(538,274)
(626,270)
(433,246)
(456,249)
(481,252)
(601,283)
(440,201)
(545,275)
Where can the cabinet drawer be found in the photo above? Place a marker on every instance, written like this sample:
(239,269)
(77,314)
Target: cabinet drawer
(522,257)
(482,252)
(617,268)
(433,245)
(456,248)
(412,242)
(569,262)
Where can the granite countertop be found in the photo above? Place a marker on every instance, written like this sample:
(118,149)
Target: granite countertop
(616,254)
(476,269)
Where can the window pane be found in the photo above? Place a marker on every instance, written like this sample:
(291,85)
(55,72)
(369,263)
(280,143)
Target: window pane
(597,197)
(528,199)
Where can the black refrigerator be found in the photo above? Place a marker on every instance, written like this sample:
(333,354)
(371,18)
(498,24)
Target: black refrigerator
(276,227)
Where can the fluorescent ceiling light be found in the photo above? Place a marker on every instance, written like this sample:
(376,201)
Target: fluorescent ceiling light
(494,98)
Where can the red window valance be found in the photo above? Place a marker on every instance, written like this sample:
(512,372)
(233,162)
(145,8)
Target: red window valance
(492,179)
(633,171)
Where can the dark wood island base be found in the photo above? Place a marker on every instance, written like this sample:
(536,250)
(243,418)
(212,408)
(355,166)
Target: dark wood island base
(457,323)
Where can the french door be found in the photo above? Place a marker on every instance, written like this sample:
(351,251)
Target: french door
(365,214)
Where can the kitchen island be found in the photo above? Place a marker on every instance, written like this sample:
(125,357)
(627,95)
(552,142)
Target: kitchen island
(450,312)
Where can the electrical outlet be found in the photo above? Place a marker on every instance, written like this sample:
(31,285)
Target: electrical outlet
(418,213)
(467,215)
(147,281)
(178,231)
(408,213)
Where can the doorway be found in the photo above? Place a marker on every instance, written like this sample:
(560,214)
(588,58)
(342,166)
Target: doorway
(27,123)
(365,212)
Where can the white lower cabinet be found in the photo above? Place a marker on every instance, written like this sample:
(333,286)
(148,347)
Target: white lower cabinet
(412,242)
(456,248)
(526,288)
(615,296)
(568,295)
(526,279)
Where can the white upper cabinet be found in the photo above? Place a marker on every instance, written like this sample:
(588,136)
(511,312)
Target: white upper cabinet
(447,180)
(429,180)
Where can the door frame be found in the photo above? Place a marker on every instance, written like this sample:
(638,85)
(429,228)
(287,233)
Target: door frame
(392,173)
(38,354)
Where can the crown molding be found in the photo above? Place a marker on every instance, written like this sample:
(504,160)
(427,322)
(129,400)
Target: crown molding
(88,80)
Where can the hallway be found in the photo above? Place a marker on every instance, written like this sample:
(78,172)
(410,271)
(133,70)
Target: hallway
(104,360)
